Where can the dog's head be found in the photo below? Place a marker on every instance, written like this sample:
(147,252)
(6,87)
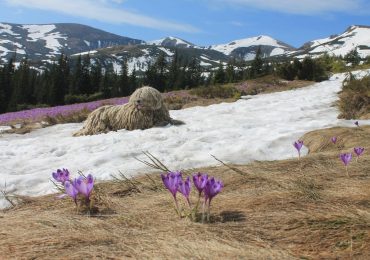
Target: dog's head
(147,98)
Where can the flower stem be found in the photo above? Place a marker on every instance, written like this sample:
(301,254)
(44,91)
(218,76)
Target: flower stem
(203,208)
(347,171)
(209,210)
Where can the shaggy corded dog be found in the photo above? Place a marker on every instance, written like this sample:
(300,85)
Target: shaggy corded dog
(144,110)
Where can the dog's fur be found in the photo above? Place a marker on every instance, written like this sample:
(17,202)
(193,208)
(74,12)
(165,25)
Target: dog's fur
(145,109)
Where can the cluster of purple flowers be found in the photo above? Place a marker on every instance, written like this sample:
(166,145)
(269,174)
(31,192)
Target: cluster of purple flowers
(347,157)
(81,185)
(37,114)
(208,186)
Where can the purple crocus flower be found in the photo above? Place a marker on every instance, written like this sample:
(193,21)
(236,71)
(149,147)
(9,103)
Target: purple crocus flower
(298,145)
(184,188)
(200,180)
(71,190)
(334,139)
(61,175)
(212,188)
(346,158)
(358,151)
(171,181)
(84,185)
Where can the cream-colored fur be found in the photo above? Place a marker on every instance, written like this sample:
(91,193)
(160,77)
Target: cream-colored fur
(145,109)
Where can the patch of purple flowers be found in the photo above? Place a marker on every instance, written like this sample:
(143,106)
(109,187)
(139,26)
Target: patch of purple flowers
(37,114)
(210,187)
(72,188)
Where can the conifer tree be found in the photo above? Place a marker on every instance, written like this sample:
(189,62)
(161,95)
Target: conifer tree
(20,93)
(96,77)
(257,64)
(133,81)
(77,81)
(353,57)
(220,75)
(123,80)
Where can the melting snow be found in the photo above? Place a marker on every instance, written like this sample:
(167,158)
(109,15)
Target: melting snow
(261,128)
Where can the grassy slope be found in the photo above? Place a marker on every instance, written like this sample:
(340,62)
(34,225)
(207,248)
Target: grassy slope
(285,209)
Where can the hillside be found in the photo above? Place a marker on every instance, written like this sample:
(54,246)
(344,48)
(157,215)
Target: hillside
(44,43)
(286,209)
(246,49)
(356,36)
(47,41)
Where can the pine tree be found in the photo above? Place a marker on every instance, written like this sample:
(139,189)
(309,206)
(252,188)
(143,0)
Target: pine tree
(257,64)
(220,76)
(193,73)
(133,81)
(230,71)
(77,81)
(20,94)
(353,57)
(123,80)
(95,77)
(174,71)
(85,84)
(59,81)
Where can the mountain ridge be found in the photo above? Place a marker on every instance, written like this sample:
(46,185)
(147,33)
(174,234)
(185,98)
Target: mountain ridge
(43,43)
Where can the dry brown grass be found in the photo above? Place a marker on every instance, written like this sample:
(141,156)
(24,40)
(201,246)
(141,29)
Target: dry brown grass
(287,209)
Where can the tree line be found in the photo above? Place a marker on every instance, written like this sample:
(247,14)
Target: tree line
(83,79)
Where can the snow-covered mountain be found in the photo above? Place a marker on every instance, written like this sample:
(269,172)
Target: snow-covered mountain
(171,41)
(47,41)
(246,48)
(42,44)
(355,36)
(139,56)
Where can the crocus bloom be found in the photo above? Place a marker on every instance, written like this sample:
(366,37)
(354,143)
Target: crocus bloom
(71,190)
(357,124)
(358,151)
(346,158)
(84,185)
(334,139)
(61,175)
(184,188)
(171,181)
(212,188)
(200,181)
(298,145)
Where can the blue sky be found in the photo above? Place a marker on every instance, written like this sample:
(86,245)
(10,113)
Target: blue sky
(203,22)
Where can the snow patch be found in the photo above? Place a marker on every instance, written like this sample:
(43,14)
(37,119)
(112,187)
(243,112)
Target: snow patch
(261,128)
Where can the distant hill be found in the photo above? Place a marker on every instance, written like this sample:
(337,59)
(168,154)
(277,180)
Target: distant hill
(356,36)
(246,48)
(43,44)
(47,41)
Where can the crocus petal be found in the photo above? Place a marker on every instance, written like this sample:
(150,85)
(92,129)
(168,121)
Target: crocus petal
(200,181)
(171,181)
(85,185)
(358,150)
(298,145)
(71,190)
(185,187)
(213,187)
(346,158)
